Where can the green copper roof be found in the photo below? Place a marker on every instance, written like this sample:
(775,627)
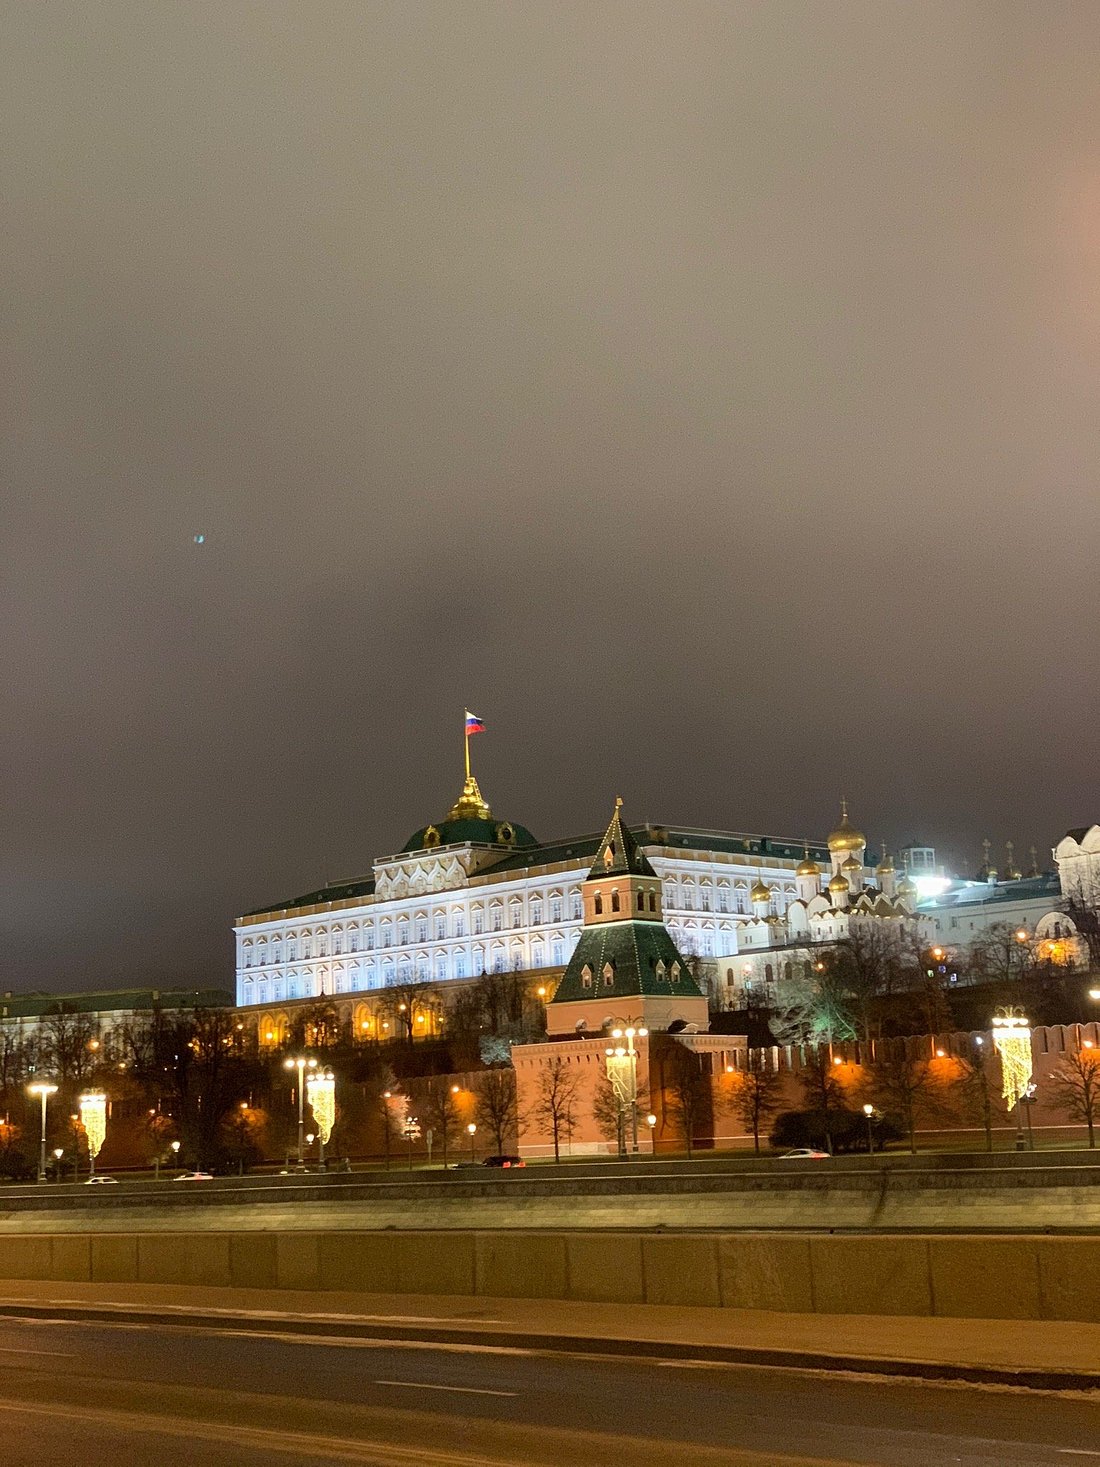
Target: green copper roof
(470,831)
(618,853)
(634,949)
(38,1005)
(339,891)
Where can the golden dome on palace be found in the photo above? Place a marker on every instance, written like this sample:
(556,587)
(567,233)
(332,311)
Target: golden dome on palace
(845,837)
(851,864)
(886,865)
(838,883)
(808,867)
(761,892)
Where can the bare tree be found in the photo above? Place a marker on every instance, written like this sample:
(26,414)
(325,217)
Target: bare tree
(403,1002)
(557,1101)
(980,1096)
(69,1045)
(756,1095)
(999,955)
(906,1088)
(440,1112)
(1075,1088)
(687,1092)
(497,1109)
(813,1007)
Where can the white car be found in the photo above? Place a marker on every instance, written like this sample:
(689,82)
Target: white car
(194,1177)
(101,1182)
(805,1151)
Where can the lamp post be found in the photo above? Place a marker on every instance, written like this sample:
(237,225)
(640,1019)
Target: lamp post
(471,1131)
(622,1072)
(651,1122)
(93,1117)
(301,1064)
(59,1152)
(1012,1041)
(43,1089)
(869,1112)
(321,1093)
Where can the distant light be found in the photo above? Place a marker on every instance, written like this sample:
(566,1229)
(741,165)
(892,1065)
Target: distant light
(837,1060)
(940,1053)
(200,538)
(930,886)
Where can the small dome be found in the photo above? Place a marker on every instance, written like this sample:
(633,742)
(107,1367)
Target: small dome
(845,837)
(761,892)
(886,865)
(906,887)
(808,867)
(851,864)
(838,884)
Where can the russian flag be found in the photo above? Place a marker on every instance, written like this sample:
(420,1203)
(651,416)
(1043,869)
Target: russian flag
(473,724)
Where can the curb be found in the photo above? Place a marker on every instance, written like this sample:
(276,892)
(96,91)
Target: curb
(1025,1378)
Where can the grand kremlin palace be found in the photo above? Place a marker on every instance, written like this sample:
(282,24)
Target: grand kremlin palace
(474,894)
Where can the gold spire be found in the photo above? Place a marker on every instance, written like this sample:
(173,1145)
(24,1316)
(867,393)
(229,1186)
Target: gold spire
(470,805)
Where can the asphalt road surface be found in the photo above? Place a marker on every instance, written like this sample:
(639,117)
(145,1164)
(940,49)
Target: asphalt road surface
(133,1393)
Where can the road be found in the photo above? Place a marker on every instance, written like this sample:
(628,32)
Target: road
(139,1393)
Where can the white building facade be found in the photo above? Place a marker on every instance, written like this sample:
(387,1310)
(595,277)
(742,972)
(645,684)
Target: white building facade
(475,895)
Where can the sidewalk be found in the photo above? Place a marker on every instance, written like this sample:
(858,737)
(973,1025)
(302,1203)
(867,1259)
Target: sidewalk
(1040,1353)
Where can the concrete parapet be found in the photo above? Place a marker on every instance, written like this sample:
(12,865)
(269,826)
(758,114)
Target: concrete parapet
(605,1267)
(681,1269)
(766,1271)
(990,1277)
(985,1278)
(515,1265)
(870,1275)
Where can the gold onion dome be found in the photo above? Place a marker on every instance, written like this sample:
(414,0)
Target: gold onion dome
(839,883)
(886,865)
(845,837)
(907,887)
(808,867)
(761,892)
(851,864)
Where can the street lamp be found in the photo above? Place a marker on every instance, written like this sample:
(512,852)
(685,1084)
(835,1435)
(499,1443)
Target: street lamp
(471,1131)
(58,1153)
(321,1093)
(651,1122)
(44,1089)
(93,1117)
(301,1064)
(869,1112)
(622,1072)
(1012,1041)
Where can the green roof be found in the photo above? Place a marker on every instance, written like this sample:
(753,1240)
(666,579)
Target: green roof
(39,1005)
(634,950)
(470,831)
(339,891)
(618,853)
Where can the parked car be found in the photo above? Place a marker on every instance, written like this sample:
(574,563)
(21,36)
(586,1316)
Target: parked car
(504,1162)
(101,1182)
(804,1152)
(194,1177)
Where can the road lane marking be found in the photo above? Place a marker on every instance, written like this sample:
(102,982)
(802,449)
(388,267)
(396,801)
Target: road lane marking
(29,1350)
(421,1385)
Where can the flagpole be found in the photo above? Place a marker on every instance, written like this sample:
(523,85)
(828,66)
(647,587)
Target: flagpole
(466,736)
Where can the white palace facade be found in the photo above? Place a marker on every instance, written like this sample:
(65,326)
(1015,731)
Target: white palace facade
(476,895)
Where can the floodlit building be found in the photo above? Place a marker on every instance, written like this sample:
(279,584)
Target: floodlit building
(473,894)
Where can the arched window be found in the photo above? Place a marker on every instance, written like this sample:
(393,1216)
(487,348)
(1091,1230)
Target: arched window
(615,900)
(652,901)
(598,907)
(641,901)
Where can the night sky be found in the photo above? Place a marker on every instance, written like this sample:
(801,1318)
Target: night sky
(703,393)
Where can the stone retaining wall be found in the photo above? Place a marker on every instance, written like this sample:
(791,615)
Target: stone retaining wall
(991,1277)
